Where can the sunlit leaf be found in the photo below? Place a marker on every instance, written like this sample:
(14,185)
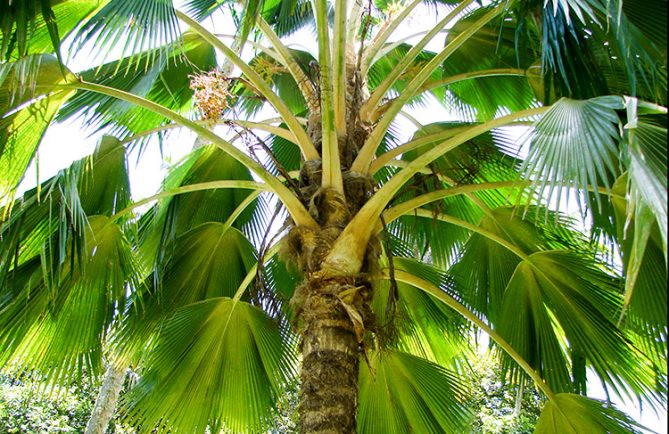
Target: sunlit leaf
(166,81)
(575,414)
(575,144)
(29,99)
(566,289)
(400,393)
(61,330)
(30,26)
(218,362)
(143,25)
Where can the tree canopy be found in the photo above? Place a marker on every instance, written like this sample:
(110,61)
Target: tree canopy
(318,246)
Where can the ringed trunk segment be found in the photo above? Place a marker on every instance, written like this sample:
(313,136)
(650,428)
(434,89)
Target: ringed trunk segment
(330,359)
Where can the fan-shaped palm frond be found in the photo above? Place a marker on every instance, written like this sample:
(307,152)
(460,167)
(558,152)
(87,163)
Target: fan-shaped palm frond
(577,142)
(398,391)
(584,301)
(56,211)
(570,413)
(65,322)
(175,215)
(647,147)
(249,11)
(416,323)
(66,266)
(645,271)
(573,34)
(288,17)
(143,25)
(488,258)
(166,81)
(225,358)
(501,65)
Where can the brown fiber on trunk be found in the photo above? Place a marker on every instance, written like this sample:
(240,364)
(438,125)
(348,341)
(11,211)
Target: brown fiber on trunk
(328,399)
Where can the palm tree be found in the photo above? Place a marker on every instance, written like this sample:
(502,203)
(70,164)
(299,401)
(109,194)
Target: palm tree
(317,242)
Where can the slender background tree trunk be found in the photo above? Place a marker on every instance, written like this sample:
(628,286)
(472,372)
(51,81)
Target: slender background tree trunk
(105,403)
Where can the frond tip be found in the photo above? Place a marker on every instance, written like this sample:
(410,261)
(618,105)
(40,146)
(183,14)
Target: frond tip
(573,414)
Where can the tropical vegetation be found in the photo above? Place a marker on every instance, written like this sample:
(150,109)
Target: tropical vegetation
(29,405)
(316,245)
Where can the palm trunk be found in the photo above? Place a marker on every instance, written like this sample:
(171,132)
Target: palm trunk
(329,308)
(329,392)
(105,403)
(331,305)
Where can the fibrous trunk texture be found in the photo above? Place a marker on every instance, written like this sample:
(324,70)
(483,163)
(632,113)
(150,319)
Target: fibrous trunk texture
(105,403)
(330,319)
(328,400)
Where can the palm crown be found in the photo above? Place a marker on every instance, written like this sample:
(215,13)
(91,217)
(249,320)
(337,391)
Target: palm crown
(316,242)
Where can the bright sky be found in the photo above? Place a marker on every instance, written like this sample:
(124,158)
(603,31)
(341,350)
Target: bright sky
(68,142)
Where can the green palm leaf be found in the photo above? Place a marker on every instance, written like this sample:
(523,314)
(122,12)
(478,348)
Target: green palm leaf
(165,81)
(65,270)
(560,31)
(208,261)
(104,186)
(400,393)
(477,161)
(486,264)
(647,146)
(61,330)
(286,17)
(384,65)
(576,143)
(590,39)
(203,165)
(573,414)
(175,215)
(416,323)
(143,25)
(640,46)
(645,307)
(29,28)
(53,215)
(245,15)
(493,47)
(565,288)
(430,238)
(650,19)
(218,363)
(24,116)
